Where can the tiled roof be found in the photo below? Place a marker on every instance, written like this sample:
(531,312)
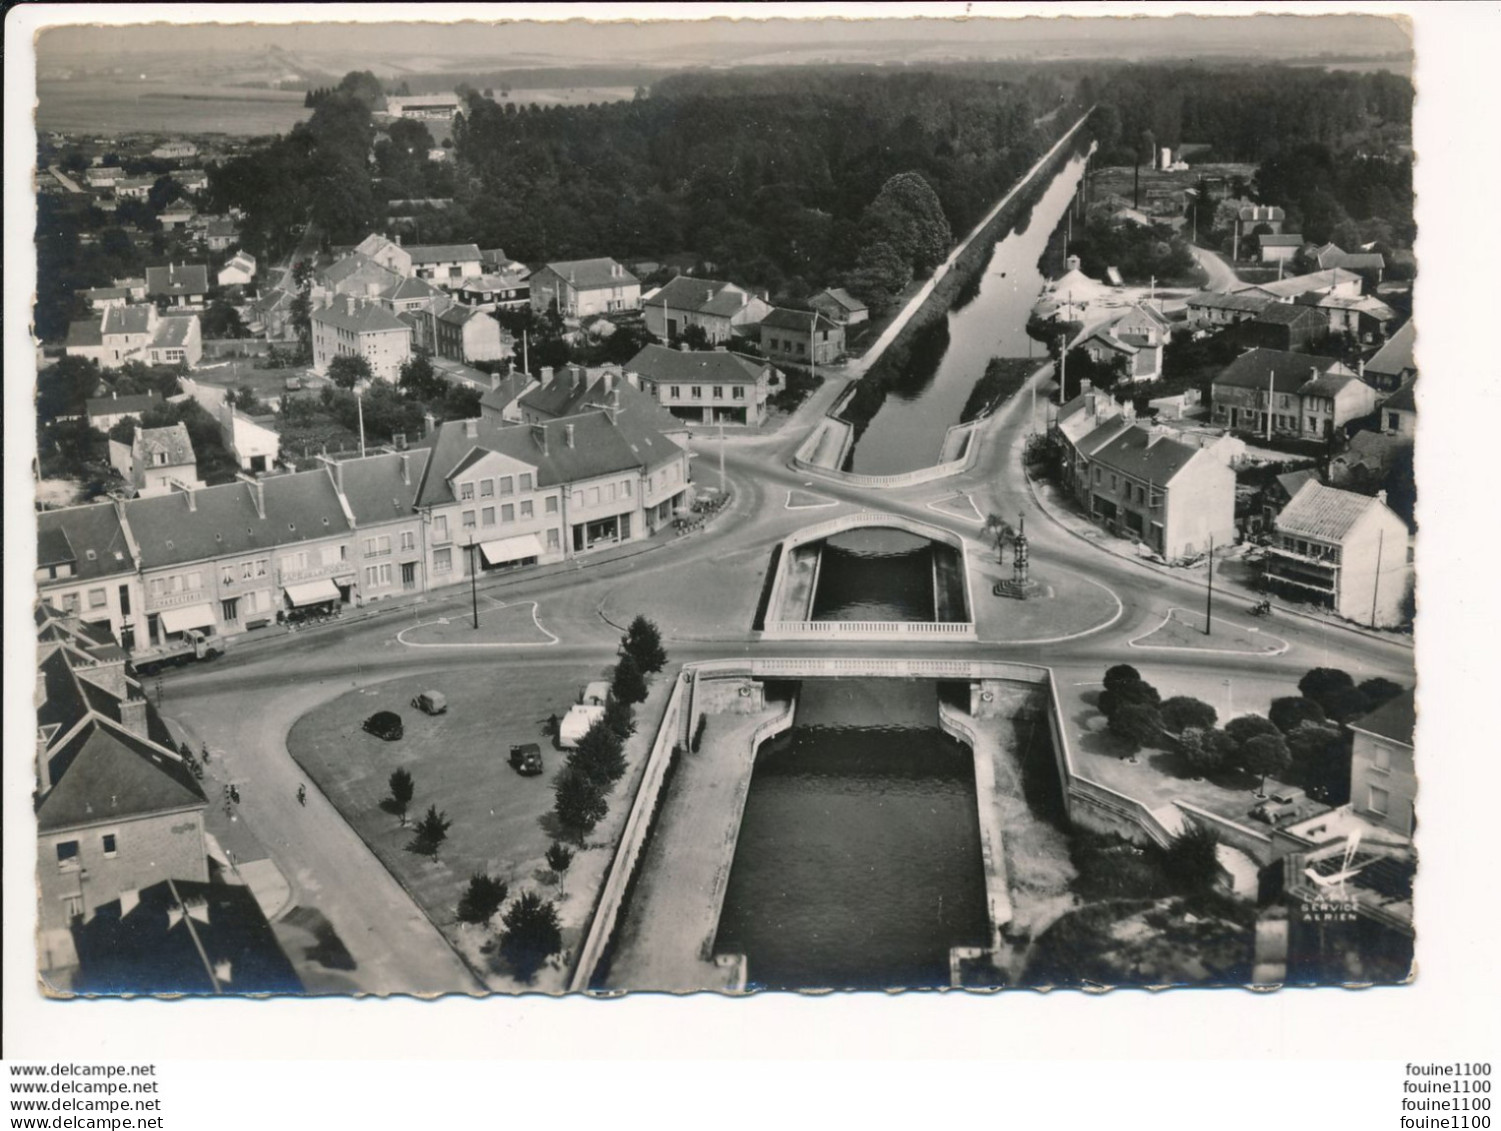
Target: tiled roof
(127,320)
(1286,314)
(589,274)
(1295,285)
(82,334)
(183,937)
(1292,481)
(1325,513)
(842,297)
(1396,355)
(1403,400)
(1328,384)
(357,266)
(374,487)
(177,279)
(1285,372)
(90,535)
(118,406)
(659,363)
(299,508)
(105,772)
(567,396)
(1141,453)
(699,296)
(1103,433)
(172,440)
(373,245)
(783,319)
(410,288)
(511,386)
(1257,213)
(358,317)
(1396,719)
(444,253)
(1281,241)
(96,293)
(174,330)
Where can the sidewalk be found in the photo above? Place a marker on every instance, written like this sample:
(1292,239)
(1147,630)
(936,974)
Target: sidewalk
(1062,512)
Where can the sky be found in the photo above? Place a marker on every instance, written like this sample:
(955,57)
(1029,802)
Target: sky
(659,42)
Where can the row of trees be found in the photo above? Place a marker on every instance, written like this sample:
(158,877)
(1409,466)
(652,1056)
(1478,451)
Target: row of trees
(1305,733)
(598,761)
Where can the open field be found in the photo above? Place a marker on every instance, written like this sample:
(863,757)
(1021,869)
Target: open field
(122,108)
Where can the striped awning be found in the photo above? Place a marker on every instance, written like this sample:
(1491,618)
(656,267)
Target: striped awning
(194,616)
(312,592)
(515,549)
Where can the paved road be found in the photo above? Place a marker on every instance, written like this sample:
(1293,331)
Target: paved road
(1222,276)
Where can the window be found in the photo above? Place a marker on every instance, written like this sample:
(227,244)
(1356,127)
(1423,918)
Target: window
(1393,421)
(697,392)
(110,845)
(526,509)
(675,392)
(486,488)
(507,485)
(739,392)
(466,491)
(262,566)
(719,392)
(594,496)
(247,570)
(229,610)
(378,547)
(249,600)
(1383,759)
(468,520)
(508,512)
(578,497)
(625,488)
(1097,475)
(443,561)
(227,575)
(378,575)
(552,539)
(1381,799)
(67,854)
(440,528)
(609,490)
(193,580)
(551,506)
(1313,423)
(487,516)
(97,598)
(408,540)
(70,602)
(525,481)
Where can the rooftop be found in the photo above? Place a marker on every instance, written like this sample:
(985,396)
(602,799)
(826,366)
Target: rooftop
(1280,370)
(1143,454)
(105,773)
(119,406)
(444,253)
(172,441)
(1396,356)
(359,316)
(659,363)
(1325,513)
(177,279)
(1396,719)
(587,274)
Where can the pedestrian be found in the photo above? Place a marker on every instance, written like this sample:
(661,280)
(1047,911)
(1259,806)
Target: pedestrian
(302,795)
(206,758)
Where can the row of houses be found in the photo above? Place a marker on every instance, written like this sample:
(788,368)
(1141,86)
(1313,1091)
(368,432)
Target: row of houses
(129,895)
(137,333)
(162,572)
(1333,296)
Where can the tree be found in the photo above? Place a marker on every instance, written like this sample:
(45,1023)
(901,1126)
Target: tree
(1112,699)
(1137,725)
(1291,711)
(643,643)
(431,832)
(599,754)
(418,377)
(221,320)
(348,370)
(1321,757)
(402,788)
(1376,691)
(1119,674)
(628,685)
(1191,859)
(482,899)
(1322,685)
(1206,751)
(1263,756)
(532,934)
(620,718)
(559,856)
(1246,727)
(578,800)
(1183,711)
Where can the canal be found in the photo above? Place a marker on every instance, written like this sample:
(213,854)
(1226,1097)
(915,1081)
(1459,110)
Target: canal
(906,431)
(858,864)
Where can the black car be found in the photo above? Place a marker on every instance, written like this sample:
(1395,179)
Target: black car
(526,759)
(384,724)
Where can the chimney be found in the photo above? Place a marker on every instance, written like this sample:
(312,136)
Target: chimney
(580,378)
(546,377)
(428,424)
(406,469)
(1381,497)
(609,383)
(399,441)
(539,433)
(471,428)
(612,406)
(568,434)
(257,494)
(494,381)
(709,294)
(1086,385)
(43,769)
(133,716)
(188,493)
(633,380)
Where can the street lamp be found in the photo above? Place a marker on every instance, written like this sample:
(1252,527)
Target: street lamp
(473,582)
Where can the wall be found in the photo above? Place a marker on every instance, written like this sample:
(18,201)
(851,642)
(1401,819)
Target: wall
(1399,780)
(1200,504)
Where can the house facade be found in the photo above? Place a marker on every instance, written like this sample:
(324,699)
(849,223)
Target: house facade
(803,337)
(1393,365)
(1262,392)
(584,287)
(714,307)
(448,265)
(355,327)
(1343,551)
(87,568)
(155,459)
(467,334)
(239,271)
(839,305)
(706,386)
(1383,781)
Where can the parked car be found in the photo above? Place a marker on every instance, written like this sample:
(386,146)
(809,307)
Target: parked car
(384,724)
(526,759)
(431,703)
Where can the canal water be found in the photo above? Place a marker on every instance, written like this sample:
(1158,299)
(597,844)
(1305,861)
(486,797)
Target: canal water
(858,864)
(907,431)
(877,573)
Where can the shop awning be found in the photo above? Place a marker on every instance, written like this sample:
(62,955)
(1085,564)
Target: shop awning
(504,550)
(194,616)
(312,592)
